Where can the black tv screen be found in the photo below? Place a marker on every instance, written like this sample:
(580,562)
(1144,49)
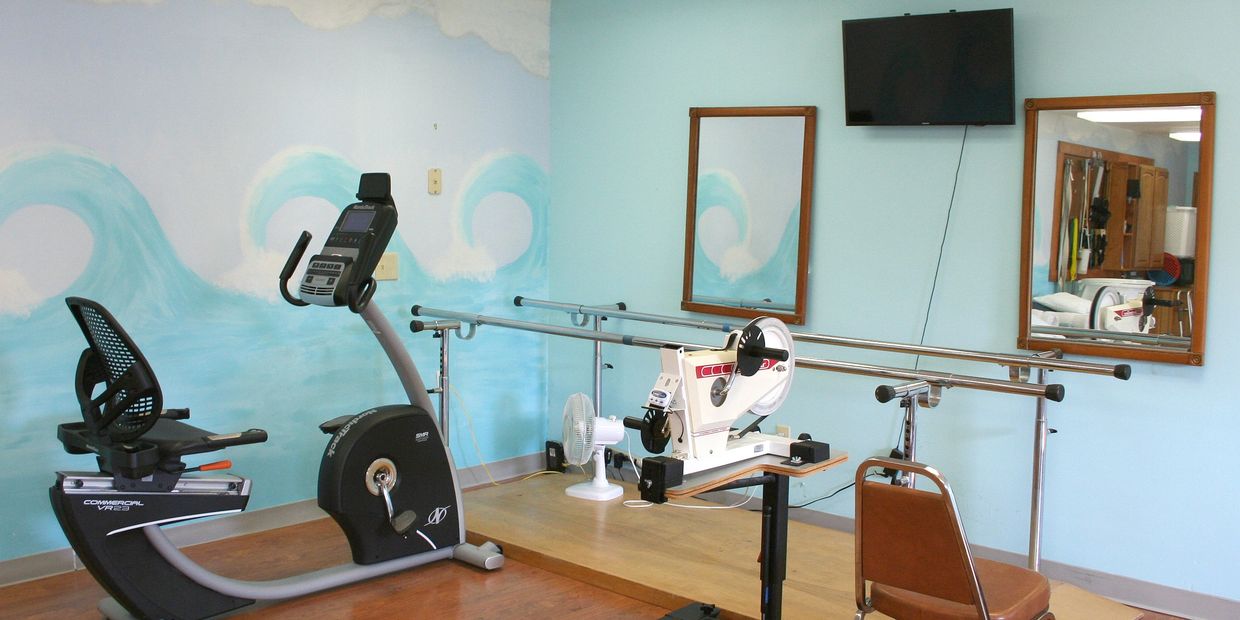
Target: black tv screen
(941,69)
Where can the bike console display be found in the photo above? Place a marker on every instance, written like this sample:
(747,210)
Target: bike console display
(341,273)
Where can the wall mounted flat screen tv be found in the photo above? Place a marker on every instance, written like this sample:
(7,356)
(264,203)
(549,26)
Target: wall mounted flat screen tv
(941,69)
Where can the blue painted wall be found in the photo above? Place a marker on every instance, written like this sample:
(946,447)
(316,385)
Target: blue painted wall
(1138,477)
(162,159)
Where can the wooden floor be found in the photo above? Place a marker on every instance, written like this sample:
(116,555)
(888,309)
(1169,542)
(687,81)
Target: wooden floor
(670,556)
(443,590)
(565,558)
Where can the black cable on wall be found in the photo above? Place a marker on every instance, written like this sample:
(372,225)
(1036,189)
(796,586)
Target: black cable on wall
(942,242)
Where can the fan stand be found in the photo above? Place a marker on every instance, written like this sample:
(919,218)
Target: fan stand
(598,489)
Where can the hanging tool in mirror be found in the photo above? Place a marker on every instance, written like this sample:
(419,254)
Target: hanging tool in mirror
(1099,215)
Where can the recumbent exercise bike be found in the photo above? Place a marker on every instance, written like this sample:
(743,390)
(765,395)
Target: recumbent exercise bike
(386,476)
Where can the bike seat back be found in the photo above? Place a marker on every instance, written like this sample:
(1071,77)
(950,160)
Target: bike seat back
(124,424)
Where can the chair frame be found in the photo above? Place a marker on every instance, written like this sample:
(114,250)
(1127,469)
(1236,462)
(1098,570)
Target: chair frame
(932,474)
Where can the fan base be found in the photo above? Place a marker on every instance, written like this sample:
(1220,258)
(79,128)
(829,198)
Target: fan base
(588,490)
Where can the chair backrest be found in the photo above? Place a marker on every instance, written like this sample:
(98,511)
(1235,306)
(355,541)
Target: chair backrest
(131,401)
(912,539)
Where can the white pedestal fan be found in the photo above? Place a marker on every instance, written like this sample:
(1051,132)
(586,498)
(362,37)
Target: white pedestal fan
(586,434)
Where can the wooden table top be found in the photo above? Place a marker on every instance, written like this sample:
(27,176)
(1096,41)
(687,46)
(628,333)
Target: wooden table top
(703,482)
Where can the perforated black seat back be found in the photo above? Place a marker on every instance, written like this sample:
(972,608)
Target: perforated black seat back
(131,401)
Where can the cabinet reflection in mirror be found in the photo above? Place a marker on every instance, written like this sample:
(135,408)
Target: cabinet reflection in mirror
(747,218)
(1115,247)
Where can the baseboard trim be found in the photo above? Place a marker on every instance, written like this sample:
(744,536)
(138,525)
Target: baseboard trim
(57,561)
(1135,592)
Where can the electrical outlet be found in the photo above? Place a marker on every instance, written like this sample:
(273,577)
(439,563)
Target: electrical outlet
(434,181)
(783,430)
(388,267)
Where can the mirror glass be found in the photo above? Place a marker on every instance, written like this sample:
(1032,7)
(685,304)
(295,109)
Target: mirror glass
(747,225)
(1117,218)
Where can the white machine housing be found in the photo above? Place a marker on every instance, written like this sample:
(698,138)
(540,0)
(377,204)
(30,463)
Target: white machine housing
(700,423)
(1119,308)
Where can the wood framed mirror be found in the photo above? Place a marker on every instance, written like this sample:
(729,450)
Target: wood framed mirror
(751,178)
(1115,232)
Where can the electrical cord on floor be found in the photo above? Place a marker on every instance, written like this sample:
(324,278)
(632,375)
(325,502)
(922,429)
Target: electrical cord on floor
(543,473)
(939,263)
(641,503)
(827,496)
(469,422)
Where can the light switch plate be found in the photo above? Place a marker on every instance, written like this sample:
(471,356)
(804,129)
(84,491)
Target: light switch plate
(388,267)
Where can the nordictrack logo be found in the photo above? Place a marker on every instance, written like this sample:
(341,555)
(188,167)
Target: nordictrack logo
(438,515)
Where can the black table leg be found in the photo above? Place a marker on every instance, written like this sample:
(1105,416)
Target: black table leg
(774,545)
(774,538)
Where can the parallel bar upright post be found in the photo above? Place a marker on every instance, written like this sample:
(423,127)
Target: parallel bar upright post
(441,331)
(598,367)
(444,385)
(910,436)
(1039,466)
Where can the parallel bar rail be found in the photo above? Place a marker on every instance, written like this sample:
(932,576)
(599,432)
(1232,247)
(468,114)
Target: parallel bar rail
(1120,371)
(1054,392)
(1101,334)
(752,304)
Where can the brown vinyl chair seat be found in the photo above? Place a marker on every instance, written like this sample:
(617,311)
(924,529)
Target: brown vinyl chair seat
(912,552)
(1012,593)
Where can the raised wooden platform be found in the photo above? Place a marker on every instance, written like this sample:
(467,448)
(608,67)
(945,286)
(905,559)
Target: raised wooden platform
(671,556)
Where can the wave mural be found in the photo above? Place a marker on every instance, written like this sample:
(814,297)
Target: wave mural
(241,361)
(735,272)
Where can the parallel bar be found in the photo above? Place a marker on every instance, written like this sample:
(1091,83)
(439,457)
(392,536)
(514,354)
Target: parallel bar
(526,302)
(439,326)
(1121,371)
(1157,339)
(752,304)
(570,332)
(1054,392)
